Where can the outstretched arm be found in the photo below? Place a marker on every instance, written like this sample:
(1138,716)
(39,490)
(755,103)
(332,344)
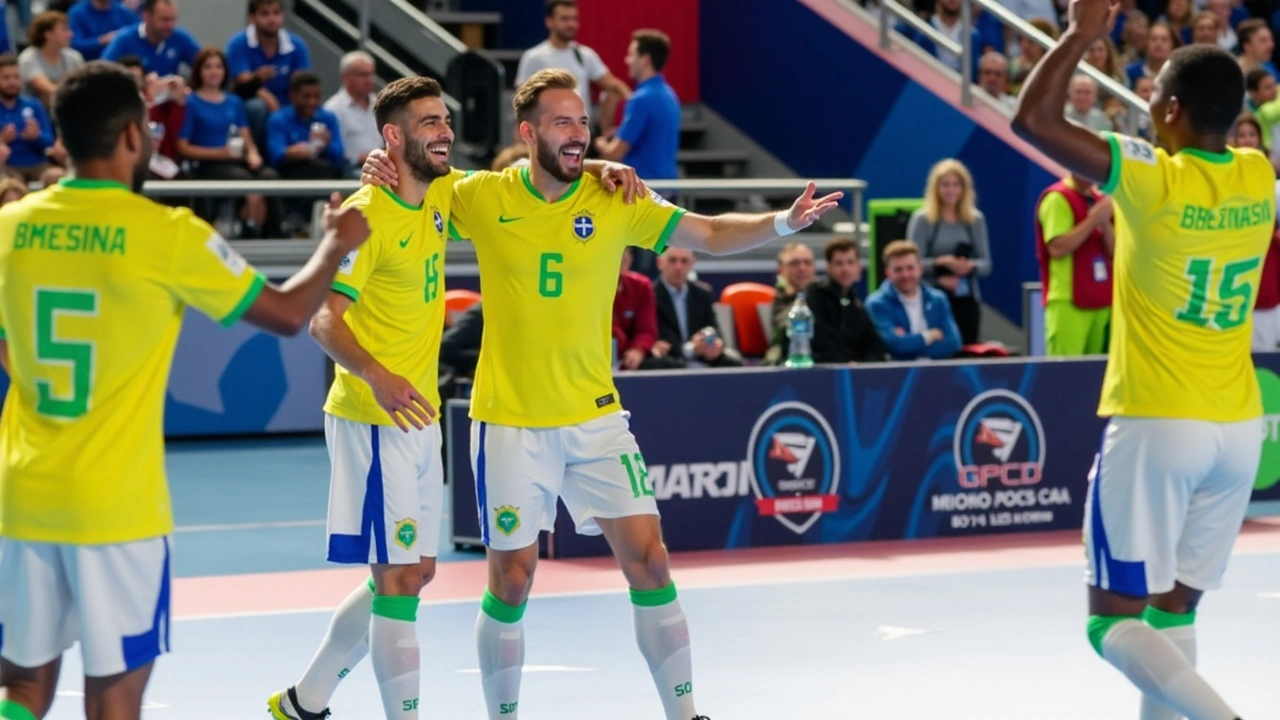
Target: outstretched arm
(1039,118)
(735,232)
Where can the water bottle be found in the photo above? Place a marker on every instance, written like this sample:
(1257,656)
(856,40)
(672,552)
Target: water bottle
(708,336)
(800,330)
(157,132)
(318,141)
(235,142)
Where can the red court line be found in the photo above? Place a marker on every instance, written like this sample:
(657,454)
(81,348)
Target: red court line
(286,592)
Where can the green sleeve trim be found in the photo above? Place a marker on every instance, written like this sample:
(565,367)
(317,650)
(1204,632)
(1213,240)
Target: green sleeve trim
(492,606)
(668,229)
(396,607)
(1163,620)
(654,598)
(11,710)
(345,289)
(372,587)
(246,302)
(3,336)
(1113,177)
(1100,625)
(453,232)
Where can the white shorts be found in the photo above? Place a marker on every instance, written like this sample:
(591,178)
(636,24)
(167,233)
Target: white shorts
(1166,500)
(1266,329)
(113,599)
(595,466)
(386,492)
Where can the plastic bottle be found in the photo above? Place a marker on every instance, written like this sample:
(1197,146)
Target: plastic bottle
(800,331)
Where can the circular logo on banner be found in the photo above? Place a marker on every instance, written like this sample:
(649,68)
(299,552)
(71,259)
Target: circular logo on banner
(999,442)
(795,465)
(1269,468)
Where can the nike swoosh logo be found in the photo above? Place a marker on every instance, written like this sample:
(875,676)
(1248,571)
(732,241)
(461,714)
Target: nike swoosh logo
(504,219)
(405,242)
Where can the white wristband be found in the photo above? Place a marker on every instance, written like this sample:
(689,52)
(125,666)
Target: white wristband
(780,225)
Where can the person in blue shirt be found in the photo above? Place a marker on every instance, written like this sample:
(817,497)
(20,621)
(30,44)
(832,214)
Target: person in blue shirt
(649,136)
(95,23)
(24,128)
(261,59)
(292,146)
(163,46)
(215,137)
(913,319)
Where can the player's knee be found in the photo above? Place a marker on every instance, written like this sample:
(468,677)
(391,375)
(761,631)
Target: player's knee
(513,583)
(654,569)
(427,571)
(402,580)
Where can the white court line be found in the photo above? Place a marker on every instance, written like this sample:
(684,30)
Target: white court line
(273,525)
(723,585)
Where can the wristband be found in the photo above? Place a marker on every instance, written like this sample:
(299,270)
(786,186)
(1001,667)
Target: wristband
(780,225)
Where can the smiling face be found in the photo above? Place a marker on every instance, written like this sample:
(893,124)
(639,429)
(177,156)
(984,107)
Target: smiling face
(1246,136)
(559,133)
(428,137)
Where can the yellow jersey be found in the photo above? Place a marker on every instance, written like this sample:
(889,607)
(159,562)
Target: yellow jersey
(94,280)
(1191,233)
(396,284)
(548,274)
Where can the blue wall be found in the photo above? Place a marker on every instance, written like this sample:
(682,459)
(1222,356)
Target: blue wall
(522,21)
(829,107)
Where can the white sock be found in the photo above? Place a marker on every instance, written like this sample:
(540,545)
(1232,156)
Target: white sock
(344,646)
(500,646)
(1159,669)
(1181,631)
(393,648)
(663,636)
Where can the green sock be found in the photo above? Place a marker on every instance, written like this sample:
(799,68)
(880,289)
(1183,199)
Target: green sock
(10,710)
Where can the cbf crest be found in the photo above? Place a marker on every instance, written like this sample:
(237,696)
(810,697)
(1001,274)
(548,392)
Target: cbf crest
(439,219)
(584,226)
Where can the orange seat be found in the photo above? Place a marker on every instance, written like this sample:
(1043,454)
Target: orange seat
(457,301)
(745,299)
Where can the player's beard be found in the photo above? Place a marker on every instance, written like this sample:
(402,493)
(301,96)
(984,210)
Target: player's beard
(422,164)
(549,160)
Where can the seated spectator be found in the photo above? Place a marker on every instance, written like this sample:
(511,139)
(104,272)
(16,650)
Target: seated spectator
(1161,42)
(1260,89)
(795,272)
(11,189)
(1103,56)
(1133,41)
(215,137)
(303,139)
(1144,88)
(1074,249)
(353,105)
(1082,105)
(946,20)
(94,24)
(261,59)
(914,320)
(25,128)
(1206,29)
(166,107)
(993,78)
(1256,45)
(48,58)
(1228,17)
(842,328)
(687,327)
(1030,52)
(157,41)
(1179,15)
(953,235)
(635,322)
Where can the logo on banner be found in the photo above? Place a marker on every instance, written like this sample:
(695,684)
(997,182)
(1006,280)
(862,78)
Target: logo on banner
(795,463)
(1269,467)
(999,442)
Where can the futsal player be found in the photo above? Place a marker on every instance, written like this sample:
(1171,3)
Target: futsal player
(94,281)
(1182,444)
(547,419)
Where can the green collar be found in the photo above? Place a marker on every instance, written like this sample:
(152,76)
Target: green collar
(1221,158)
(528,184)
(399,200)
(89,184)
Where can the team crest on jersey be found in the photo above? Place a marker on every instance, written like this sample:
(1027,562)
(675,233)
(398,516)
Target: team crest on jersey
(406,533)
(438,218)
(999,442)
(654,196)
(348,262)
(1139,150)
(507,518)
(226,254)
(584,226)
(795,463)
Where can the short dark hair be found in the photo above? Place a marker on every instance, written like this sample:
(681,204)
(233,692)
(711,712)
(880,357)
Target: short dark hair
(1208,83)
(839,245)
(8,60)
(395,98)
(150,5)
(197,66)
(1254,79)
(256,5)
(655,44)
(553,4)
(530,91)
(93,105)
(1246,30)
(301,79)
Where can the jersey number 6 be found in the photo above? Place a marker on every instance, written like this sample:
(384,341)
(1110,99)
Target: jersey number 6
(550,282)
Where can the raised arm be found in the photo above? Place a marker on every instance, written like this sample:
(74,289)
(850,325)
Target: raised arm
(736,232)
(1039,118)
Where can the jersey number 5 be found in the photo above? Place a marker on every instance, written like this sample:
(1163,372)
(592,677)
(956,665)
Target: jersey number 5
(76,356)
(1234,296)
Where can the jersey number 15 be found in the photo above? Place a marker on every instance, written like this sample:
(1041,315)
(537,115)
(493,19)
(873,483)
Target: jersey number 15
(1234,295)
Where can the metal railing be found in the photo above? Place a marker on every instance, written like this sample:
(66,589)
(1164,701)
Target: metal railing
(889,9)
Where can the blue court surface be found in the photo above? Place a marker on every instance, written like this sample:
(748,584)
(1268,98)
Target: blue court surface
(946,642)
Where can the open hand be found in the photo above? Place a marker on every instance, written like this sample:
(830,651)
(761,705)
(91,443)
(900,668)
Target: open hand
(806,210)
(401,400)
(379,170)
(616,175)
(348,225)
(1093,18)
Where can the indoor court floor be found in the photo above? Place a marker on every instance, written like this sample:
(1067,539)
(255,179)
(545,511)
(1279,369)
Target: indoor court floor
(986,628)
